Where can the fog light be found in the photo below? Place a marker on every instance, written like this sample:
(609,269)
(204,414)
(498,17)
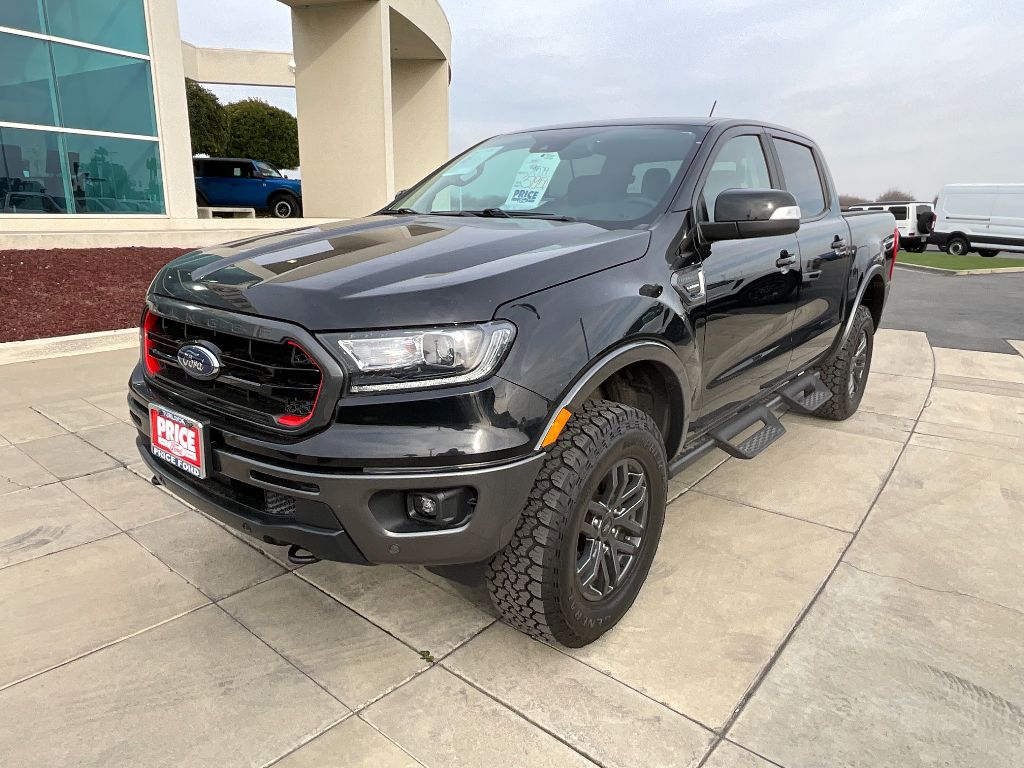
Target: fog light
(443,509)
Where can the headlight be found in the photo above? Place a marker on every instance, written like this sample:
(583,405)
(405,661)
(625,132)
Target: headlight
(382,361)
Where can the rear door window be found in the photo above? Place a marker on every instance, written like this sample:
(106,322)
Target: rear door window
(801,175)
(900,212)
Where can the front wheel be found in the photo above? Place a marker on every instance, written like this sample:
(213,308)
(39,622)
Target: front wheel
(590,529)
(284,207)
(845,373)
(988,253)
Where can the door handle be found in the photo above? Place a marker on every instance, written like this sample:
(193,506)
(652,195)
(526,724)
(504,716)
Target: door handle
(839,246)
(786,259)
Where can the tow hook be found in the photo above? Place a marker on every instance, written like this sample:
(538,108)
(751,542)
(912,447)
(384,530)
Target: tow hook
(301,559)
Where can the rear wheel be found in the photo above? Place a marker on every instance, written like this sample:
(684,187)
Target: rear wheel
(958,246)
(284,206)
(845,373)
(988,252)
(590,529)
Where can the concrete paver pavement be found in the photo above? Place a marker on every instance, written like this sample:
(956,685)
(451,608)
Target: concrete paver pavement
(874,620)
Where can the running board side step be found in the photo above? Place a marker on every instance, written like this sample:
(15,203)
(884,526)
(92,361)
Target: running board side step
(757,442)
(807,394)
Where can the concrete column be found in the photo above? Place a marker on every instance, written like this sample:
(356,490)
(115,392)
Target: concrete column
(420,99)
(171,108)
(343,95)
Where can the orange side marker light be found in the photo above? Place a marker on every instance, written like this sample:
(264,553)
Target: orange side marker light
(556,427)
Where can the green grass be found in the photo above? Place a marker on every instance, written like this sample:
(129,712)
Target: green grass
(946,261)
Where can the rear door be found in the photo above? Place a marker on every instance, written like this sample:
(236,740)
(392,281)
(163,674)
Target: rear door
(216,182)
(746,322)
(825,250)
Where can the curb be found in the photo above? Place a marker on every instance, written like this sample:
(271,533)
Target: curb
(66,346)
(956,272)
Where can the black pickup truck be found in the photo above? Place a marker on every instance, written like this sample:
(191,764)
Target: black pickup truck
(504,367)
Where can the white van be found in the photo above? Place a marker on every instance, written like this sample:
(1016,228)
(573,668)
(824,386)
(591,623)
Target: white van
(987,218)
(914,221)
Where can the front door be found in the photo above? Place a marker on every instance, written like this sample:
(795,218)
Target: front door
(746,323)
(825,251)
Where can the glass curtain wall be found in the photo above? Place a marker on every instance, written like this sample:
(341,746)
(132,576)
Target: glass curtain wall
(78,131)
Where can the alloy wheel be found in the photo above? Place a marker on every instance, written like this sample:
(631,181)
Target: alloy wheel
(612,530)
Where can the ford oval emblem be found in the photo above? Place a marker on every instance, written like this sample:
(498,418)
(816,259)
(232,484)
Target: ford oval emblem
(199,362)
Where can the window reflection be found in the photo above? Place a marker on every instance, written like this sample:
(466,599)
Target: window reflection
(31,174)
(45,172)
(111,23)
(22,14)
(114,175)
(26,81)
(104,92)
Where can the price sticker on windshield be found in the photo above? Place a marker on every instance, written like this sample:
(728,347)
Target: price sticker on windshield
(532,181)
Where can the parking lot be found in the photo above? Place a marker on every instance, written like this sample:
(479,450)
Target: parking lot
(871,620)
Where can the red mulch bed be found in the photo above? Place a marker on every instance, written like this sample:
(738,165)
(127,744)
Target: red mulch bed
(62,291)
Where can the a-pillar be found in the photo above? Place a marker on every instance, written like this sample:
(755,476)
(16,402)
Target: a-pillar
(343,95)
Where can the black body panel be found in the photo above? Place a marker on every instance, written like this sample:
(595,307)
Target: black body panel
(712,328)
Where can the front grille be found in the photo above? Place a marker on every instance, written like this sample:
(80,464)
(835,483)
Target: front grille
(270,383)
(279,505)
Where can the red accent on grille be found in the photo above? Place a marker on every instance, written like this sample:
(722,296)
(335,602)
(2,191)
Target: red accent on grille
(153,365)
(298,421)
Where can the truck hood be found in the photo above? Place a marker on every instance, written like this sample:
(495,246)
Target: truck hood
(386,272)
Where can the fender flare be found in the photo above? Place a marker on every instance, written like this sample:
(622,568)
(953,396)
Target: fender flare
(869,275)
(613,361)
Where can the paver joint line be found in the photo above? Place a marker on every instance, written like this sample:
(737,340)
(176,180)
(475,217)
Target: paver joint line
(953,592)
(525,717)
(821,589)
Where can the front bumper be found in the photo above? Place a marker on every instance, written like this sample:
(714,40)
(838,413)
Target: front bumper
(352,516)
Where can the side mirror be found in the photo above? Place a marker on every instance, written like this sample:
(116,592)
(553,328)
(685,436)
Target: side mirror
(747,213)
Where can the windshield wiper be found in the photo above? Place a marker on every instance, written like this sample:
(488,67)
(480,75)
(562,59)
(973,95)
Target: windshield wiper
(400,211)
(501,213)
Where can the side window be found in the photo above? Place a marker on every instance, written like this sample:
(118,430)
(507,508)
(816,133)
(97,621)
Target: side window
(802,179)
(900,212)
(739,164)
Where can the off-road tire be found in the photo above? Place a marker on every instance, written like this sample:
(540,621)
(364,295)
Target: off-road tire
(284,206)
(988,253)
(835,372)
(958,246)
(533,580)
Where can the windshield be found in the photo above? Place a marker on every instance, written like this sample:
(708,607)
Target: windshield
(615,176)
(268,170)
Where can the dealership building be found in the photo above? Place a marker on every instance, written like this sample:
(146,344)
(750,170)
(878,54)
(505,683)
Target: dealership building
(94,139)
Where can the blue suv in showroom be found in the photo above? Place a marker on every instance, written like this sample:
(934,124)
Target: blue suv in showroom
(235,182)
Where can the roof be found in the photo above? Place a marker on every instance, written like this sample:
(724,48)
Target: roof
(723,123)
(892,202)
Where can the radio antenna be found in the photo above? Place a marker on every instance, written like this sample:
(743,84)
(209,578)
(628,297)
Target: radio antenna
(712,112)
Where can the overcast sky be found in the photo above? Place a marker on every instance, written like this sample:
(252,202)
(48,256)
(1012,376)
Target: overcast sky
(912,94)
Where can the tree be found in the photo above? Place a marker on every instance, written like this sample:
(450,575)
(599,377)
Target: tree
(207,120)
(894,195)
(845,201)
(263,132)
